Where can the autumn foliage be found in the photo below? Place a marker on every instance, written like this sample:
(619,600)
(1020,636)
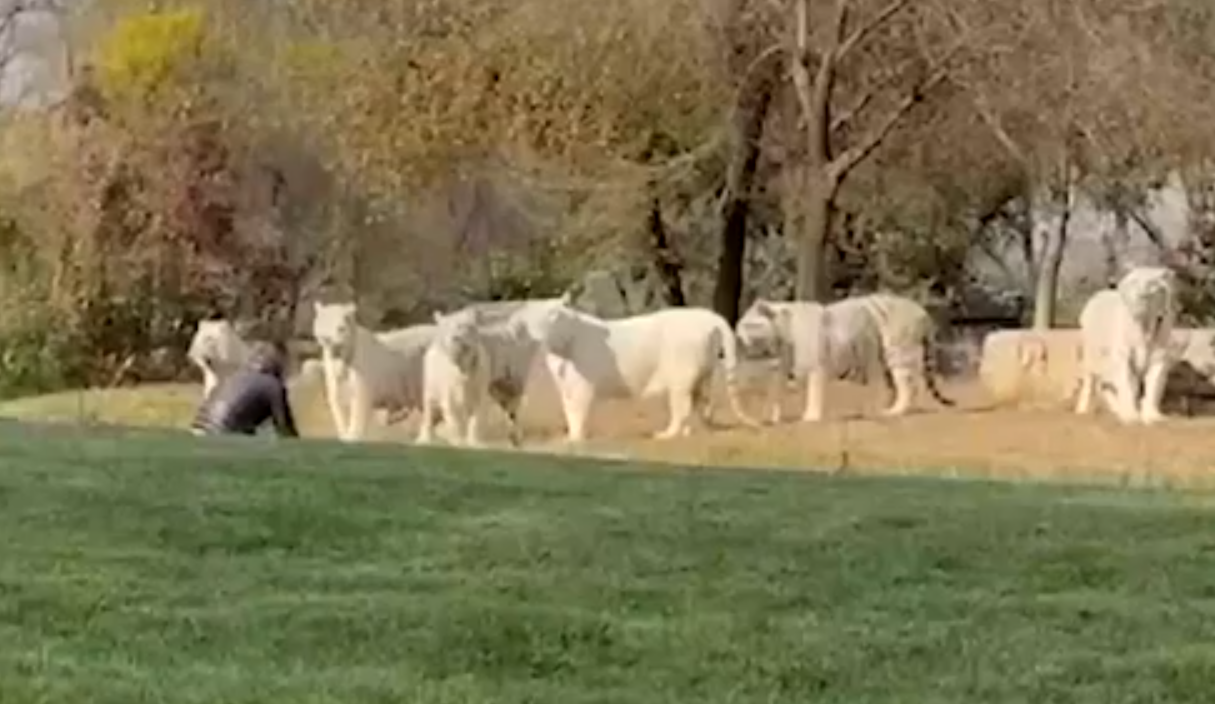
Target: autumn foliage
(239,157)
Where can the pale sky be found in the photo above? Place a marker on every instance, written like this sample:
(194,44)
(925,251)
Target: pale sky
(35,70)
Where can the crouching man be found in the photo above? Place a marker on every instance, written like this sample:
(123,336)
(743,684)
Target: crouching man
(245,400)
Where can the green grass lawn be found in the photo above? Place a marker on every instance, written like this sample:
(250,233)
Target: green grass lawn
(155,568)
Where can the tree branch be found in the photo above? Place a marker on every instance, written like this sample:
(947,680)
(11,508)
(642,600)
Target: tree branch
(817,103)
(997,130)
(851,113)
(1150,230)
(980,102)
(757,62)
(988,249)
(853,156)
(840,24)
(842,120)
(797,58)
(854,40)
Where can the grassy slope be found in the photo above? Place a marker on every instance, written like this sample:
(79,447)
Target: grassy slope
(170,569)
(151,405)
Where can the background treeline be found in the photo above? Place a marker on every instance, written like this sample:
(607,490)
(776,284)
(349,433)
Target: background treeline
(247,156)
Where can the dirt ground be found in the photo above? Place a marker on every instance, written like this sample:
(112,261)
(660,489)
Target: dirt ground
(970,439)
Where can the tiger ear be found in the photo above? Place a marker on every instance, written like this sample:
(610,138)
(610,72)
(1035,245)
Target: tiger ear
(764,308)
(567,298)
(438,317)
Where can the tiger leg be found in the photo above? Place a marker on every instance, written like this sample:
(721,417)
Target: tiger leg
(1153,391)
(1120,391)
(776,386)
(816,381)
(903,380)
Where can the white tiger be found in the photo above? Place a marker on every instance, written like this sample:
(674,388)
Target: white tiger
(365,370)
(851,339)
(219,350)
(512,351)
(1126,335)
(671,352)
(456,368)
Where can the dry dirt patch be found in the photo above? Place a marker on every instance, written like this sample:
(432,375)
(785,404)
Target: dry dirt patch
(972,439)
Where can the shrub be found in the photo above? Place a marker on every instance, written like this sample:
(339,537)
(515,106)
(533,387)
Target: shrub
(144,53)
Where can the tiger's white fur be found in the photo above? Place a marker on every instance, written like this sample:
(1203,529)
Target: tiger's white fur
(365,371)
(671,352)
(850,339)
(1126,344)
(219,350)
(512,351)
(456,369)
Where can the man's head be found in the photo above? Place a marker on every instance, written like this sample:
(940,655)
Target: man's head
(268,358)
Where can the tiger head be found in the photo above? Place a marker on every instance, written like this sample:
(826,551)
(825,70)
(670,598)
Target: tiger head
(1149,292)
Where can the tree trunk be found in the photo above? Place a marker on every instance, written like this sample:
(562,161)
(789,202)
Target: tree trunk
(1025,238)
(829,164)
(752,114)
(818,209)
(1046,289)
(728,288)
(1115,244)
(666,262)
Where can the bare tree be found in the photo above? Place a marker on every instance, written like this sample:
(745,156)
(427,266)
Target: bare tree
(1050,262)
(1031,106)
(1087,98)
(829,157)
(755,75)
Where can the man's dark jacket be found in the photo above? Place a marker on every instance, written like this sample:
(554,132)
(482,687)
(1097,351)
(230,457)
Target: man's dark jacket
(245,400)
